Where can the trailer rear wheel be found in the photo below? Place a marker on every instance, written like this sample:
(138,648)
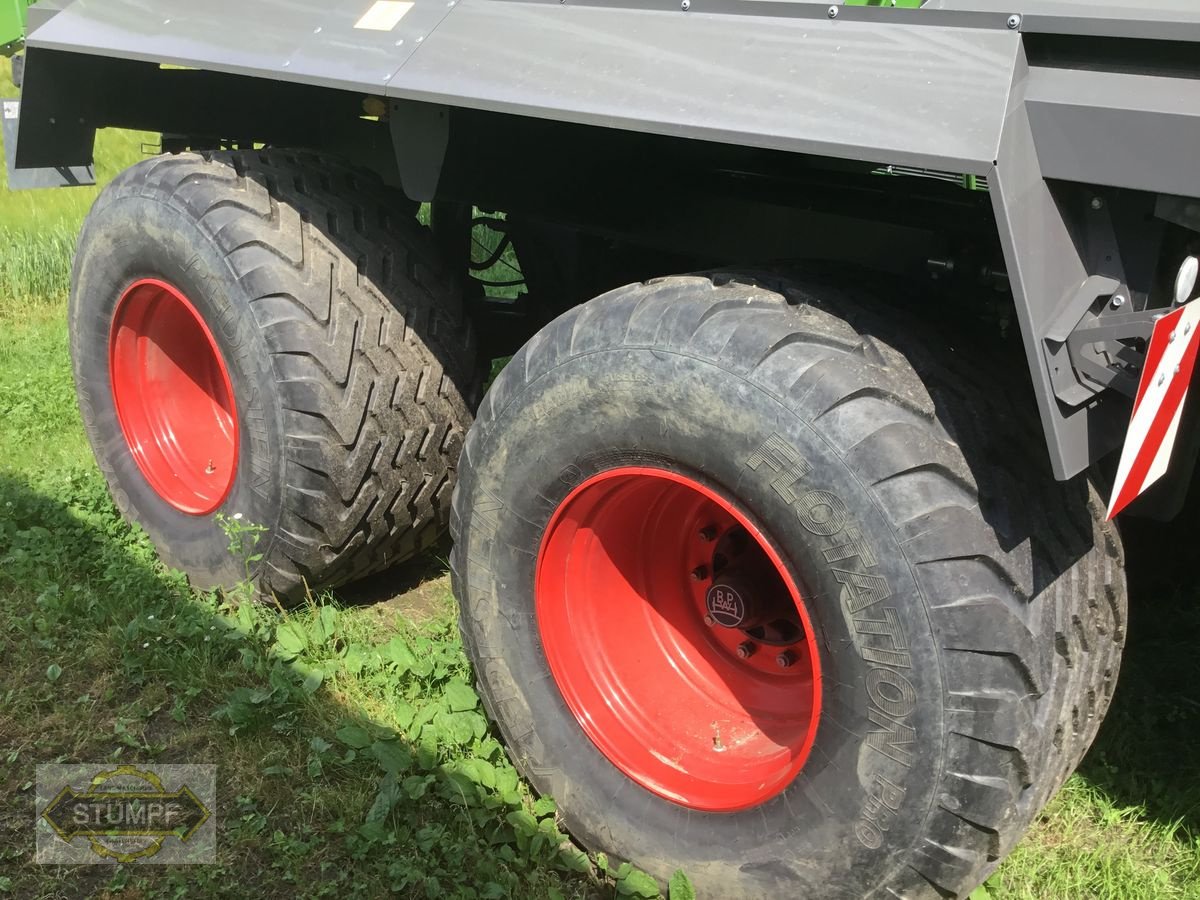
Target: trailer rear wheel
(752,592)
(267,339)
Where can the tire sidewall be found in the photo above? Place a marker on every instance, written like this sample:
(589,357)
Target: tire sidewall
(127,238)
(835,830)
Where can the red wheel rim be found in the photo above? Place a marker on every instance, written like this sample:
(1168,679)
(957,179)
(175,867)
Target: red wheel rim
(173,397)
(622,593)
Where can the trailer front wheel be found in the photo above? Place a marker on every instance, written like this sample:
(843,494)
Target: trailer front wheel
(753,593)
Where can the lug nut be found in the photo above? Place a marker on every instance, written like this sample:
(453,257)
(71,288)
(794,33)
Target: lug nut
(746,649)
(708,533)
(699,573)
(710,621)
(786,659)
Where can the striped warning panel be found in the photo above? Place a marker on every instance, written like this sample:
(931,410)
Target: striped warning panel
(1170,359)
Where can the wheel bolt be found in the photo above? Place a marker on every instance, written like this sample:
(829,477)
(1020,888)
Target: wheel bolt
(786,659)
(710,621)
(746,649)
(699,573)
(708,533)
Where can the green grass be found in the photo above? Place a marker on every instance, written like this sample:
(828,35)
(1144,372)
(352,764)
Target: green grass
(354,757)
(38,228)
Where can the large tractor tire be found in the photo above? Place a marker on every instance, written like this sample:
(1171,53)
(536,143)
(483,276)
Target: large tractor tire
(751,592)
(266,340)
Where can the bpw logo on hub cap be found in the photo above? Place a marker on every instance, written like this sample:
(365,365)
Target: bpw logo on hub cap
(726,605)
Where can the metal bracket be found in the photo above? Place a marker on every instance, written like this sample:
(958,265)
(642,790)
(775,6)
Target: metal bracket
(1069,387)
(1109,350)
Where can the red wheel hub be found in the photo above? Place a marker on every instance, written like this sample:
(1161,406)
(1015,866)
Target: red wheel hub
(173,397)
(678,639)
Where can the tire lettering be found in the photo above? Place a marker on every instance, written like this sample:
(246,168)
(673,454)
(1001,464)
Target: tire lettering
(880,808)
(861,589)
(854,546)
(881,639)
(782,459)
(868,834)
(889,627)
(891,692)
(822,513)
(892,741)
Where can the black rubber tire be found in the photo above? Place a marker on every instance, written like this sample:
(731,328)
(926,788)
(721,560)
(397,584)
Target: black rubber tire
(1007,586)
(350,358)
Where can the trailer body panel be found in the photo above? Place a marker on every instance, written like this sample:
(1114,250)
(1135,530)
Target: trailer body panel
(954,87)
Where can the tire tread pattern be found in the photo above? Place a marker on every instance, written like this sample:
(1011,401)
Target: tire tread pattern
(373,356)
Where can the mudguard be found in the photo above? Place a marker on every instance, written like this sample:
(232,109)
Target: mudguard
(955,85)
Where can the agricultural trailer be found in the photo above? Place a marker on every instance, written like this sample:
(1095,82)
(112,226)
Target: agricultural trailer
(839,335)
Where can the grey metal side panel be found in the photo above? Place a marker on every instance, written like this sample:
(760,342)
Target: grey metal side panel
(908,94)
(1165,20)
(1046,271)
(888,92)
(305,41)
(43,11)
(1116,129)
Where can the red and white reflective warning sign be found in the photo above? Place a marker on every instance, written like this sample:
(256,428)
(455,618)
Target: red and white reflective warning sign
(1170,359)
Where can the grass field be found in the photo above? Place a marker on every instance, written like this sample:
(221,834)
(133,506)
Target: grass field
(354,760)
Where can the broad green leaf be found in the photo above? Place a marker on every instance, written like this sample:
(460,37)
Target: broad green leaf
(459,728)
(403,713)
(573,859)
(636,883)
(354,736)
(544,806)
(323,626)
(53,672)
(355,659)
(680,887)
(416,785)
(245,618)
(312,681)
(460,696)
(290,640)
(506,778)
(479,771)
(392,757)
(397,652)
(522,821)
(461,788)
(427,750)
(385,800)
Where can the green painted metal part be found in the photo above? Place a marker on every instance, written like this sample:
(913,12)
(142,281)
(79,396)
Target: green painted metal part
(12,25)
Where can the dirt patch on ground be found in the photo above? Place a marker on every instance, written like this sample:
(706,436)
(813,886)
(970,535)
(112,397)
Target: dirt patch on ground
(418,590)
